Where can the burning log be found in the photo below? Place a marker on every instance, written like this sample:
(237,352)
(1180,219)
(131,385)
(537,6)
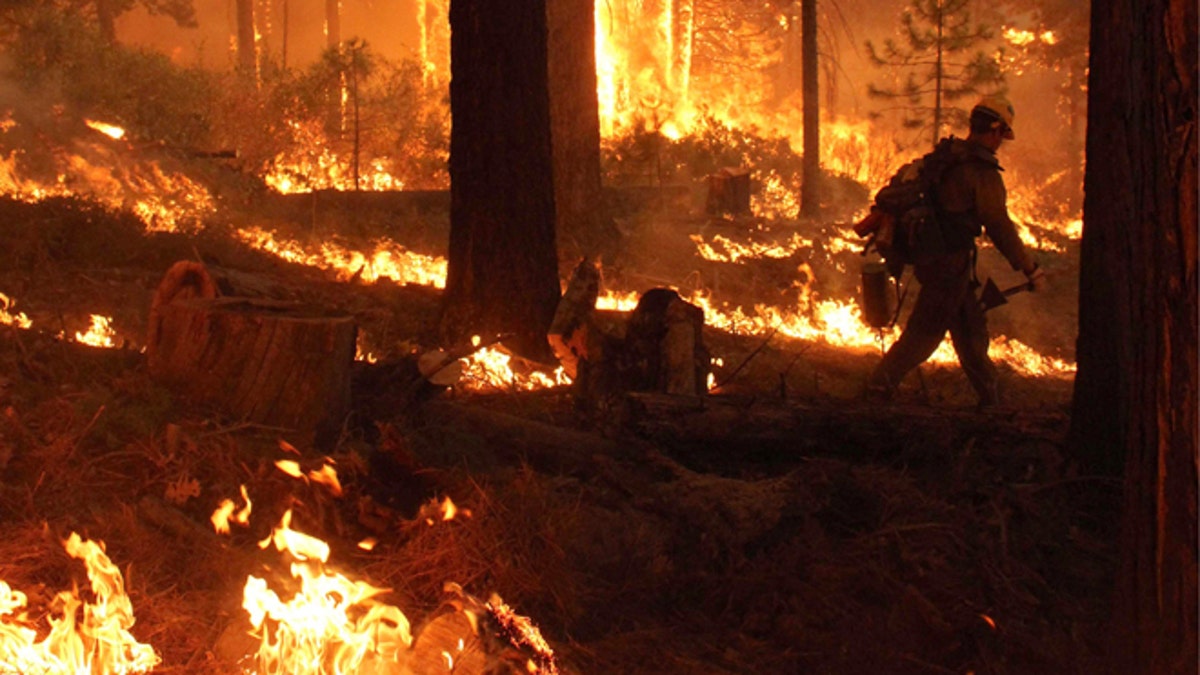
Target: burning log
(765,428)
(266,361)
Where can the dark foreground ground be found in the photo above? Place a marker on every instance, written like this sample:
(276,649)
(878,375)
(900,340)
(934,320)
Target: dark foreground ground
(782,526)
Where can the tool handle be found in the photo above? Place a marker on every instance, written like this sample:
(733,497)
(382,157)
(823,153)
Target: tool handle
(1009,292)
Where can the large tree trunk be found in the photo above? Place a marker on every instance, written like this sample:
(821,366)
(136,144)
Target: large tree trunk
(247,47)
(810,191)
(502,271)
(106,16)
(583,230)
(333,24)
(1136,392)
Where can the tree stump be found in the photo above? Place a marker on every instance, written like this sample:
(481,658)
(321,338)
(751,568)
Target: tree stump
(660,349)
(728,192)
(573,326)
(269,362)
(664,345)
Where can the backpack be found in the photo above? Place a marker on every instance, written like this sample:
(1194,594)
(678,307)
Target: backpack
(904,224)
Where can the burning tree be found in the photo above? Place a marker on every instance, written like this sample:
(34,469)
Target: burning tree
(936,33)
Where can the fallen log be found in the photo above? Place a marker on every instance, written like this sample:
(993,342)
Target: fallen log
(550,448)
(773,429)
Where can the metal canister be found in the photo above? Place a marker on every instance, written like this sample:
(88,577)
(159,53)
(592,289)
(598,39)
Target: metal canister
(877,305)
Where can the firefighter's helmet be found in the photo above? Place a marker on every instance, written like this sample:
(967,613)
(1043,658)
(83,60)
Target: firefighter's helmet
(999,109)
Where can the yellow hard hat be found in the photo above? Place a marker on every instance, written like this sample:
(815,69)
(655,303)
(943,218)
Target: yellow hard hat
(999,108)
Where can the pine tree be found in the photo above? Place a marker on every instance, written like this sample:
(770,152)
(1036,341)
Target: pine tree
(943,64)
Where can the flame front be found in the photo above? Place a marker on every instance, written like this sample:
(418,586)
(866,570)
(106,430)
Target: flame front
(388,260)
(84,637)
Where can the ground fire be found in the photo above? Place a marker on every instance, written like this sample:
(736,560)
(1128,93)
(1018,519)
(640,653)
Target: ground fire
(266,299)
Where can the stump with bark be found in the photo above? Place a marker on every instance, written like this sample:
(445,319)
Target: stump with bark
(729,192)
(272,362)
(659,349)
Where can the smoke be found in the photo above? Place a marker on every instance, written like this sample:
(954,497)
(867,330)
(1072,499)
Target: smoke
(390,28)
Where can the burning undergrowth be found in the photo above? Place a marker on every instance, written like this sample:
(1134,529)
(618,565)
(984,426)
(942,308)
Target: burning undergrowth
(971,549)
(955,543)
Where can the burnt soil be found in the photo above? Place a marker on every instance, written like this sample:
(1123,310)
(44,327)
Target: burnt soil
(782,525)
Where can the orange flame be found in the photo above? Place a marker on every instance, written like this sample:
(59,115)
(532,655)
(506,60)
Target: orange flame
(100,334)
(85,637)
(225,513)
(490,368)
(19,319)
(112,131)
(330,625)
(388,261)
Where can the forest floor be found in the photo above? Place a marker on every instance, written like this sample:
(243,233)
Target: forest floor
(782,525)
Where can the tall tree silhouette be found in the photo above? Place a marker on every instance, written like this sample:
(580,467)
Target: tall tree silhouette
(940,62)
(1135,404)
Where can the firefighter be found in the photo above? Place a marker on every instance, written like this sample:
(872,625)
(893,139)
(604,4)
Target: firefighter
(971,200)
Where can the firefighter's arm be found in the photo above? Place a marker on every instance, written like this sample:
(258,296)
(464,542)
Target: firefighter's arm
(991,204)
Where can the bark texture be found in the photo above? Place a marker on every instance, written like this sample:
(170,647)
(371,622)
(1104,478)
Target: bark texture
(810,190)
(258,359)
(1136,400)
(247,48)
(333,24)
(583,230)
(502,272)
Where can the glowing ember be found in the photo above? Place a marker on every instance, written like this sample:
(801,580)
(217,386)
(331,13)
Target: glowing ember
(290,467)
(520,631)
(620,301)
(85,637)
(434,511)
(326,475)
(100,334)
(112,131)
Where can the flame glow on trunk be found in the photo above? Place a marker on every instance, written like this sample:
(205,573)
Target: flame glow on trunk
(85,637)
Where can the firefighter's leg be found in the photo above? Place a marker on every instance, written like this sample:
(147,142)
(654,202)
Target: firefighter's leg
(969,334)
(927,325)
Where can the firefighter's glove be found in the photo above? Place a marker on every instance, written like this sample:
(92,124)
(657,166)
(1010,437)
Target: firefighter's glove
(1037,278)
